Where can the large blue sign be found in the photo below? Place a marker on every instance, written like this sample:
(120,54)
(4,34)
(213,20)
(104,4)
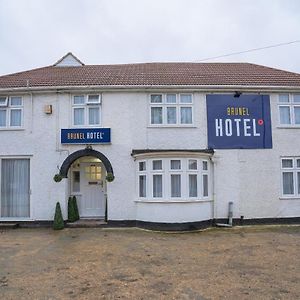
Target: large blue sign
(242,122)
(85,136)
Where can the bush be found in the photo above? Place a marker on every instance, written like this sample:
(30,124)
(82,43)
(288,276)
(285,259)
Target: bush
(72,217)
(76,208)
(110,177)
(58,223)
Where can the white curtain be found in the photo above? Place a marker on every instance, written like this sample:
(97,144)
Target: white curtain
(285,115)
(15,117)
(186,115)
(2,118)
(288,183)
(298,177)
(94,116)
(78,116)
(142,186)
(297,115)
(171,115)
(205,185)
(156,115)
(175,185)
(15,188)
(157,186)
(193,185)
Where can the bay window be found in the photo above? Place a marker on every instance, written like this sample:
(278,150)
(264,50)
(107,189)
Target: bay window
(86,110)
(171,109)
(173,179)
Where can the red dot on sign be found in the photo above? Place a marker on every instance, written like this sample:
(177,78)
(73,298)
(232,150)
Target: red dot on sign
(260,122)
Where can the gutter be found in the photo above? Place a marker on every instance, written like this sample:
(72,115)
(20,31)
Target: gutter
(152,88)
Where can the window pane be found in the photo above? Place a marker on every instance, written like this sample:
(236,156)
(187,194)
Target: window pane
(204,165)
(142,186)
(78,99)
(285,117)
(94,115)
(157,165)
(205,185)
(142,166)
(175,164)
(78,116)
(288,183)
(2,118)
(297,115)
(15,117)
(3,101)
(171,98)
(156,98)
(175,186)
(185,98)
(93,98)
(15,188)
(298,163)
(186,115)
(298,178)
(157,186)
(287,163)
(76,181)
(192,164)
(171,115)
(296,97)
(284,98)
(193,186)
(156,115)
(16,101)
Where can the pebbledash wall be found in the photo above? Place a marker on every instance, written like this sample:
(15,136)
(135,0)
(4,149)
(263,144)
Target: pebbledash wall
(250,178)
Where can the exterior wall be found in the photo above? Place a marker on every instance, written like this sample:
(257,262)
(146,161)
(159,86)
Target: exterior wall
(249,178)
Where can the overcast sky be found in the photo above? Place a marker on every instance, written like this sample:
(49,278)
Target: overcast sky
(36,33)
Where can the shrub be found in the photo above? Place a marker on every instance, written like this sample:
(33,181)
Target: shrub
(110,177)
(72,217)
(76,208)
(58,223)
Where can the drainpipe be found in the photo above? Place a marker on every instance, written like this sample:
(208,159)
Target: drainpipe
(230,216)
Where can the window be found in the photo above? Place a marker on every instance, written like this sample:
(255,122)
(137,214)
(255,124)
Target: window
(11,112)
(75,181)
(290,176)
(86,110)
(14,194)
(289,109)
(171,109)
(173,179)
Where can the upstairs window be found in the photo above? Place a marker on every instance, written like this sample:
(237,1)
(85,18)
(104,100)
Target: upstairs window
(86,110)
(11,112)
(171,109)
(289,109)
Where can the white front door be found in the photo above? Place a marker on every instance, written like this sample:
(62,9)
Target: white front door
(92,188)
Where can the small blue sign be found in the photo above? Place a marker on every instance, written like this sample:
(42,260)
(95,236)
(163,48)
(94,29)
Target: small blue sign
(85,136)
(242,122)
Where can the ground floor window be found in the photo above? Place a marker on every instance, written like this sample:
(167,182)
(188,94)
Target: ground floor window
(173,178)
(290,176)
(15,176)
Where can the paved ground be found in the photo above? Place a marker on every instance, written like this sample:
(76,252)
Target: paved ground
(246,263)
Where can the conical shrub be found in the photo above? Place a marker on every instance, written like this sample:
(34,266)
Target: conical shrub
(58,223)
(71,210)
(76,208)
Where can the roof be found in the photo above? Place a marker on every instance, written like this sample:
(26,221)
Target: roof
(151,75)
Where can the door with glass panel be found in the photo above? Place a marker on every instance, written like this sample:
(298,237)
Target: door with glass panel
(92,190)
(15,188)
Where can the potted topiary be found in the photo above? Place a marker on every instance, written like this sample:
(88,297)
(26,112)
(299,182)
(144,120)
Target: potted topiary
(58,223)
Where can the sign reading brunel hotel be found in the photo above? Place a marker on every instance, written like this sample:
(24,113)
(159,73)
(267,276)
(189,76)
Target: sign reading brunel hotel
(85,136)
(242,122)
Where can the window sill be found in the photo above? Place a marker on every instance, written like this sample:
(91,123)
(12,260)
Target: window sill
(290,198)
(171,126)
(288,127)
(166,201)
(12,129)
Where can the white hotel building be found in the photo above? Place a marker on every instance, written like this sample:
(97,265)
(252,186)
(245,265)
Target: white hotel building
(180,140)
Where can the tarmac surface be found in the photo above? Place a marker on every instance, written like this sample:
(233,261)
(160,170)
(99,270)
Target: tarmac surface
(260,262)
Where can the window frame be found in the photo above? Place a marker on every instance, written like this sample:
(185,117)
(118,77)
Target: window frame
(166,172)
(164,105)
(8,108)
(294,170)
(86,106)
(291,104)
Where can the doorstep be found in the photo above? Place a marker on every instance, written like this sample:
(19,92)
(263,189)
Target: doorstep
(86,223)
